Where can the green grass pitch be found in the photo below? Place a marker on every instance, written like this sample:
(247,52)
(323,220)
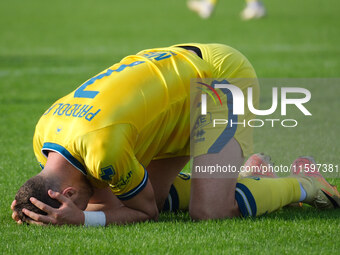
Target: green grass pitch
(48,48)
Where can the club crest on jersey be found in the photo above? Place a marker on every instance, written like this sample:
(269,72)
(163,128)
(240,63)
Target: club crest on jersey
(107,173)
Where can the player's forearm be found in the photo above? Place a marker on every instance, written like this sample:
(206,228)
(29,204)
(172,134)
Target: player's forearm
(120,214)
(125,215)
(141,207)
(102,207)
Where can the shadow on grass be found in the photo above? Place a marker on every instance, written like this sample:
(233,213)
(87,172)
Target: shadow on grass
(285,214)
(303,213)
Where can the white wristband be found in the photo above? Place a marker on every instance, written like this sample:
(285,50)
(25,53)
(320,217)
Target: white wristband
(95,219)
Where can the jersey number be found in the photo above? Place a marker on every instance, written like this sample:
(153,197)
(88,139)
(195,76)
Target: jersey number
(81,92)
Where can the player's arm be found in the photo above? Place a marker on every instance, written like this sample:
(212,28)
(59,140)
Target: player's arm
(112,160)
(141,207)
(103,199)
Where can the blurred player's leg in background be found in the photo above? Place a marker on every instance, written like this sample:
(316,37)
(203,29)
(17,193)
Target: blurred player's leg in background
(205,8)
(253,10)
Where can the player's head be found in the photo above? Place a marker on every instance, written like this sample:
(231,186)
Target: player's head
(38,187)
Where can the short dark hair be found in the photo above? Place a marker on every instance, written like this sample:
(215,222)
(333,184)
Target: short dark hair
(37,187)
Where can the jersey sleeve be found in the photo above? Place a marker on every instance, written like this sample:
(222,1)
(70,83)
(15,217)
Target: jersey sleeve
(109,156)
(37,147)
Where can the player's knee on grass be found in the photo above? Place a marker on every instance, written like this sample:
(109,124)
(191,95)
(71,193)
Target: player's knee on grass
(199,212)
(37,187)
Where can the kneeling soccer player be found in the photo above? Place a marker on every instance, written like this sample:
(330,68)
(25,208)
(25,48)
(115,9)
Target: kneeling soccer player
(115,145)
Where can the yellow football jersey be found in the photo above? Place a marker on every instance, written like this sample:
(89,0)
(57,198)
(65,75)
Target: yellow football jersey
(119,120)
(135,111)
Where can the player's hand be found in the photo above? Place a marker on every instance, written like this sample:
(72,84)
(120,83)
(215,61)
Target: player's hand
(15,214)
(68,213)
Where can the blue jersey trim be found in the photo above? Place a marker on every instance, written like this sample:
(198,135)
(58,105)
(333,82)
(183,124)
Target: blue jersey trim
(245,200)
(65,153)
(136,190)
(229,131)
